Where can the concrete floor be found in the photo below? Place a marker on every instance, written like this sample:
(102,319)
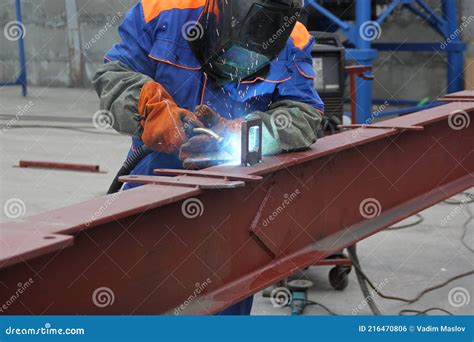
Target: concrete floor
(402,263)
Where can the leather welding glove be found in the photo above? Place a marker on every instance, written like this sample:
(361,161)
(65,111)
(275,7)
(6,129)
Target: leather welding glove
(198,147)
(164,123)
(212,120)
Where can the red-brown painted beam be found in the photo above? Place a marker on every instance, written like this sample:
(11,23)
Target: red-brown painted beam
(307,207)
(59,166)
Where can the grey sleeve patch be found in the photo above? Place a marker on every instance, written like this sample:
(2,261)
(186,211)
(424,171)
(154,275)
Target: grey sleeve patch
(289,126)
(119,91)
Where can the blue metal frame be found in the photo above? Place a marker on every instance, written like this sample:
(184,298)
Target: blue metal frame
(365,52)
(22,79)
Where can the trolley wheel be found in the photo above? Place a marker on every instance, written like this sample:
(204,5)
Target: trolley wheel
(339,277)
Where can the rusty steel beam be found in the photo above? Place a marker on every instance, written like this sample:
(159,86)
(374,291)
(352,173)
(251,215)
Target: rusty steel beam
(170,249)
(59,166)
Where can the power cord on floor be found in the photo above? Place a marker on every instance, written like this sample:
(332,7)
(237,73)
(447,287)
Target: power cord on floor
(82,129)
(310,302)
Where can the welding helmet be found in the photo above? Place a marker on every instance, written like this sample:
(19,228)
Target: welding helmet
(238,38)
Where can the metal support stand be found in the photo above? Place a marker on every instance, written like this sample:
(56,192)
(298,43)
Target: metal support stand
(363,32)
(21,80)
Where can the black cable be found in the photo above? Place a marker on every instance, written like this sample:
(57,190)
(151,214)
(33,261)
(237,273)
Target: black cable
(132,161)
(424,312)
(82,129)
(421,294)
(419,220)
(310,302)
(454,202)
(362,280)
(465,230)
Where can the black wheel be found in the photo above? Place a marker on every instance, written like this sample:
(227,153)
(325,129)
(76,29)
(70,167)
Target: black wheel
(339,277)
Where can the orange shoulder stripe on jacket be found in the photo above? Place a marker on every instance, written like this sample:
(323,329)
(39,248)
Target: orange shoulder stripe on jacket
(153,8)
(300,35)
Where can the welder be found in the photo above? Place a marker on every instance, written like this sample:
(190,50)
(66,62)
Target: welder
(210,64)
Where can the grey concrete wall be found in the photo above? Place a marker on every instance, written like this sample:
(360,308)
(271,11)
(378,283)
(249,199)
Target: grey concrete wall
(47,41)
(402,75)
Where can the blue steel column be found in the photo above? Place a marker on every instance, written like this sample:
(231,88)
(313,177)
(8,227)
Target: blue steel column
(456,57)
(364,88)
(21,48)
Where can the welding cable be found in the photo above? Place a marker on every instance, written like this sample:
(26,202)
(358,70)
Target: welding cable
(365,280)
(465,230)
(312,303)
(469,195)
(417,298)
(419,220)
(81,129)
(362,280)
(423,313)
(131,163)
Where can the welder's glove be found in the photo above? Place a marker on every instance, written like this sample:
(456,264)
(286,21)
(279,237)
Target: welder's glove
(198,146)
(164,123)
(212,120)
